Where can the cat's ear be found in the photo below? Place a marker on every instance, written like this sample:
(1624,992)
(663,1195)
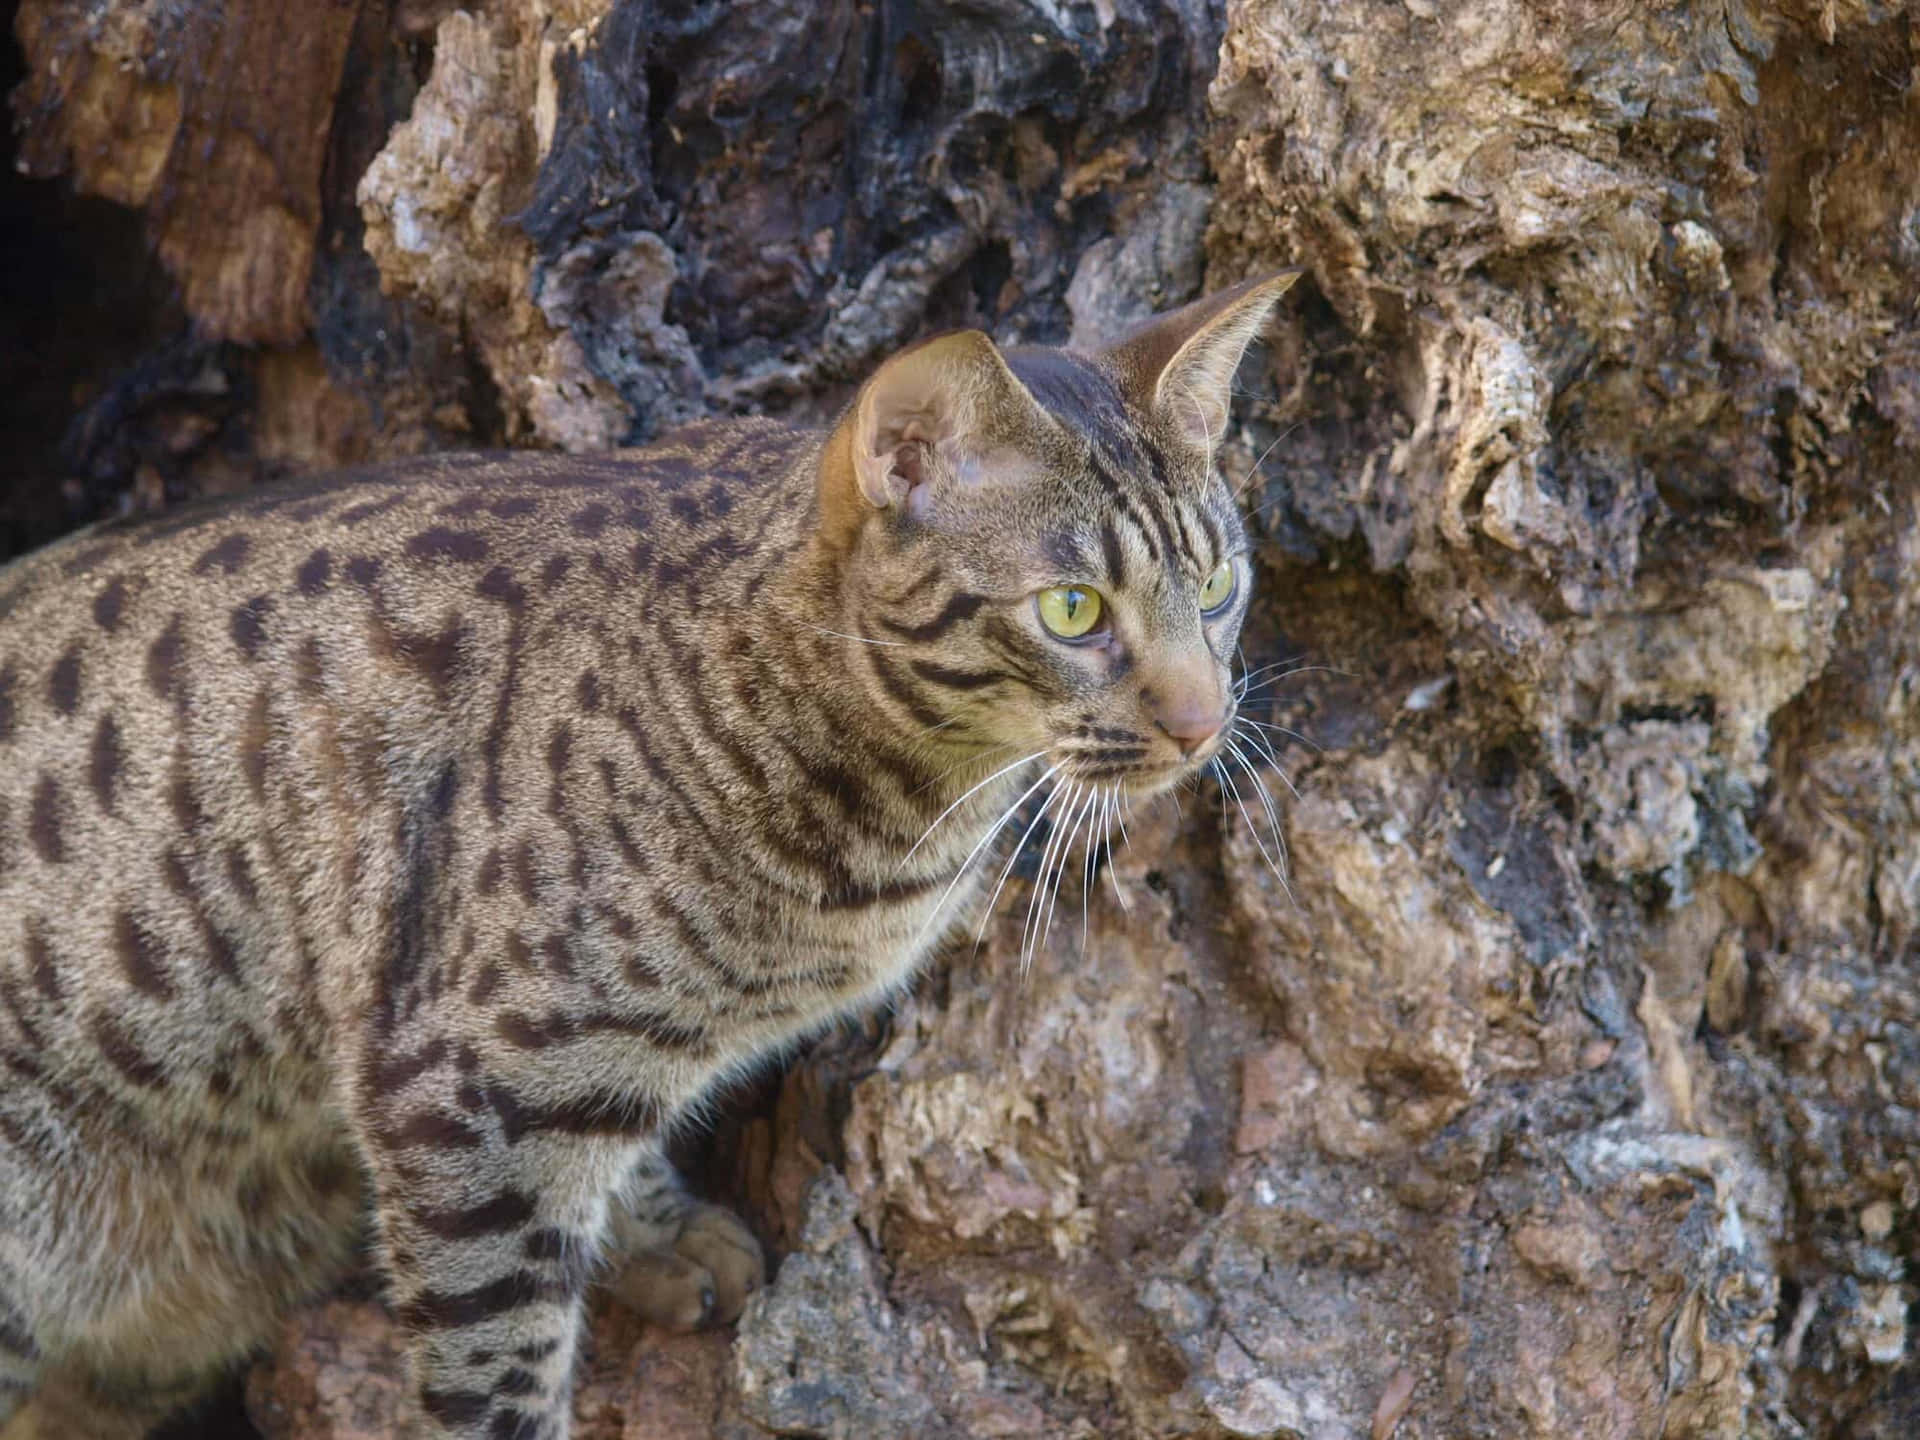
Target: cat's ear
(938,411)
(1179,366)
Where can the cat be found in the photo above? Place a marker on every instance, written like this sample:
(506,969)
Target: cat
(388,858)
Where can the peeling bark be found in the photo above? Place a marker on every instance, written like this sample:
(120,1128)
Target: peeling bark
(1570,1085)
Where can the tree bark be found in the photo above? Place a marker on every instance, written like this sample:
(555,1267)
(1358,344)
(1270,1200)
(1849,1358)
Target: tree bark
(1569,1084)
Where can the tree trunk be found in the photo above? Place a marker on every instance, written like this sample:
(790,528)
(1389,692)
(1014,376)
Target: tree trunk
(1569,1085)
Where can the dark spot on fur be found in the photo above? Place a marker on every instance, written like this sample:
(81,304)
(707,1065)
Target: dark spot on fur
(310,509)
(109,603)
(8,675)
(43,821)
(163,661)
(523,873)
(40,964)
(314,572)
(63,683)
(499,584)
(685,507)
(434,657)
(526,1034)
(555,570)
(589,690)
(446,788)
(488,880)
(537,1350)
(104,760)
(227,556)
(438,542)
(125,1056)
(519,956)
(367,509)
(309,668)
(592,520)
(248,624)
(240,875)
(514,506)
(363,570)
(484,984)
(253,745)
(142,957)
(180,797)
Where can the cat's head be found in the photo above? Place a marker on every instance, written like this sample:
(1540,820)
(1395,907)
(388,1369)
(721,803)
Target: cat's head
(1038,549)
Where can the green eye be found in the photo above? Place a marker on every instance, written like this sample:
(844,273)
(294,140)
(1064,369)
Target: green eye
(1069,611)
(1218,589)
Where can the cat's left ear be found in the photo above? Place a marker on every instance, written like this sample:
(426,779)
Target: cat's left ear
(1180,366)
(942,413)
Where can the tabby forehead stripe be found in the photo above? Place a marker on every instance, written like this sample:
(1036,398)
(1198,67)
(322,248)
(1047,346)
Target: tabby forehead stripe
(951,679)
(1113,553)
(959,607)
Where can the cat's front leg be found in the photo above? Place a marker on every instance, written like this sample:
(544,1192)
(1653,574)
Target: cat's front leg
(678,1261)
(492,1225)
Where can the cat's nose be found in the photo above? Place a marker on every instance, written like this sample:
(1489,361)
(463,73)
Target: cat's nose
(1192,721)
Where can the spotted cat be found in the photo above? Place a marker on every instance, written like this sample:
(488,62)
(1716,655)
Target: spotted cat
(388,858)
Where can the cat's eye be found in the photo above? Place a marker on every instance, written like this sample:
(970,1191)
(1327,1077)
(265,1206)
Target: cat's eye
(1070,611)
(1219,587)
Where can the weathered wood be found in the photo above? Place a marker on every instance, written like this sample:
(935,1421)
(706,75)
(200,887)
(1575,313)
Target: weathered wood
(214,117)
(1575,1088)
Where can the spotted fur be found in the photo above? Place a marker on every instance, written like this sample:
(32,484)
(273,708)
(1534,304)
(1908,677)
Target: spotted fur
(389,857)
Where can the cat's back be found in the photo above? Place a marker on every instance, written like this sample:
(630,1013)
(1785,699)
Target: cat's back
(114,607)
(202,711)
(702,480)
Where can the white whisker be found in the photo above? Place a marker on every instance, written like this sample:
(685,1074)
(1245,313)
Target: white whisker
(1283,730)
(994,830)
(1066,854)
(1024,759)
(1116,804)
(1266,749)
(857,639)
(967,760)
(1254,474)
(1274,674)
(1007,869)
(1278,868)
(1086,867)
(1227,787)
(1035,901)
(1266,796)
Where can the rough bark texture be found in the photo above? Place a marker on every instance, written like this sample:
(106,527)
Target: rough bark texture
(1574,1089)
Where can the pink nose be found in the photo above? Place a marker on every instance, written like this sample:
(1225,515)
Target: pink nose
(1193,724)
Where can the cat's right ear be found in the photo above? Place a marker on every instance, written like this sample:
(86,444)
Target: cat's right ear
(1180,366)
(937,412)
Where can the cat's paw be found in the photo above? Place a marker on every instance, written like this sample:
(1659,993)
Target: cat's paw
(714,1238)
(703,1280)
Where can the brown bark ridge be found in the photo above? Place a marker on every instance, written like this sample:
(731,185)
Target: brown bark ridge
(1570,1082)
